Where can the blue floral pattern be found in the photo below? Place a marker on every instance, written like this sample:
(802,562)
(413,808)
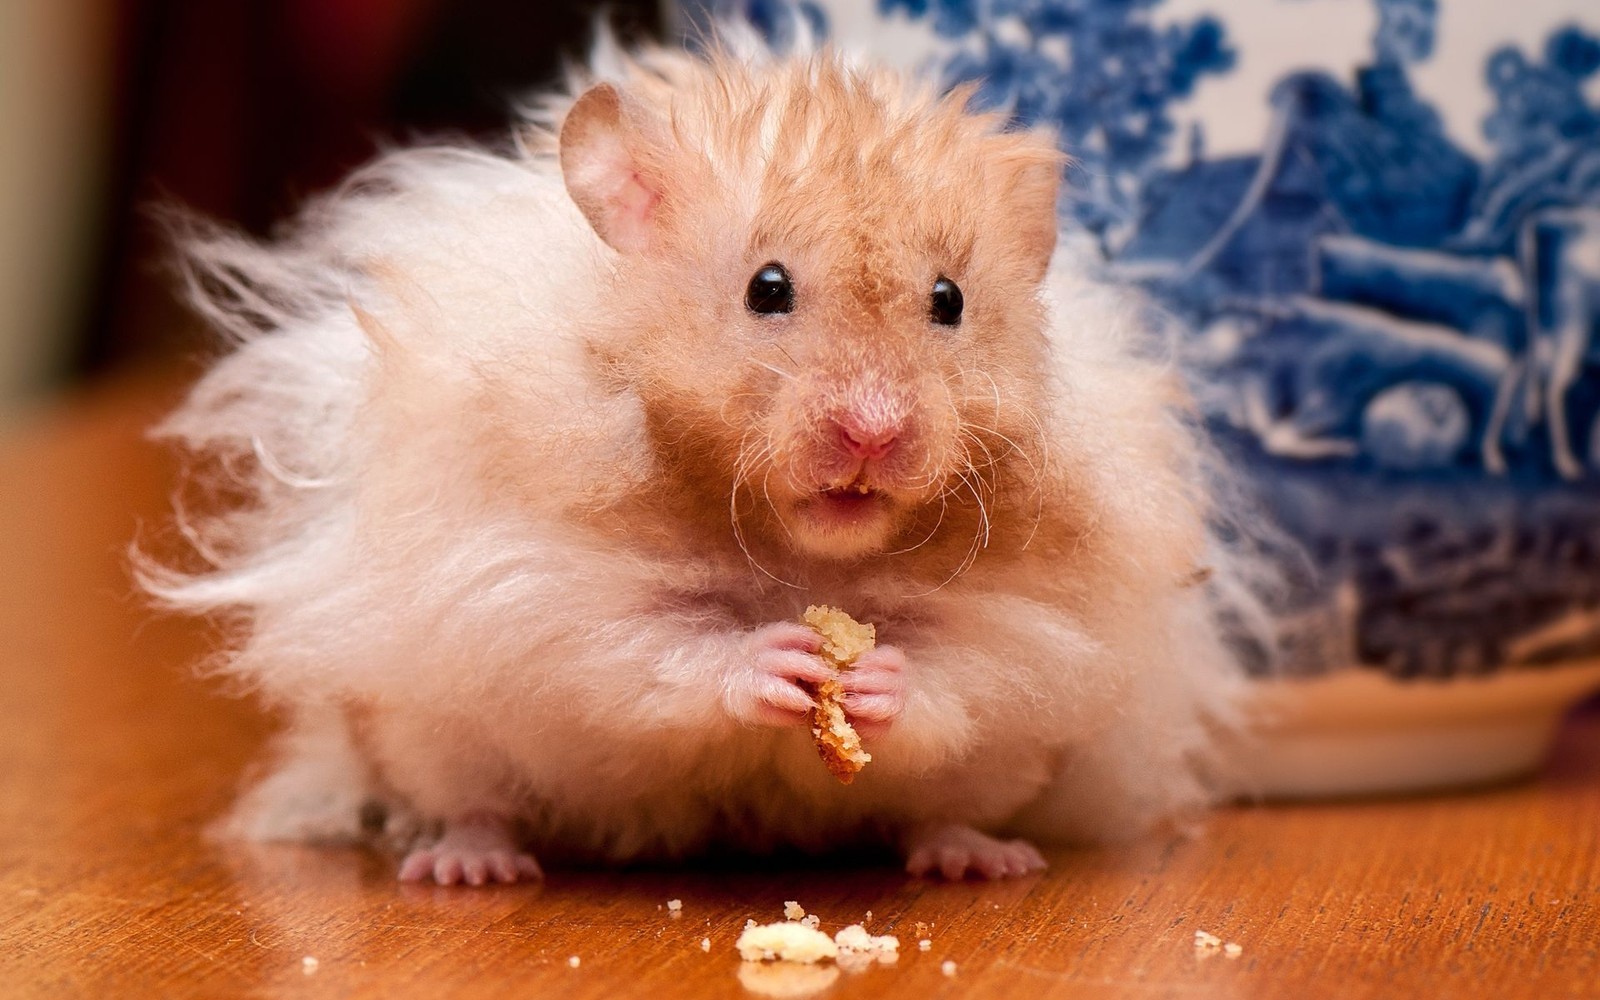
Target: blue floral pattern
(1102,74)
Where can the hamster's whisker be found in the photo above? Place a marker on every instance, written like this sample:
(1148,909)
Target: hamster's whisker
(944,505)
(996,387)
(776,370)
(742,468)
(973,481)
(975,439)
(1040,475)
(968,461)
(1016,449)
(1035,468)
(766,493)
(722,411)
(1035,474)
(926,479)
(979,539)
(966,374)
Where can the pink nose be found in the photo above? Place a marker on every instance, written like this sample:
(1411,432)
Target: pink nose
(865,443)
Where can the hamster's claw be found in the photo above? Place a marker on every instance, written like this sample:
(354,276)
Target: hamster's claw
(957,851)
(475,850)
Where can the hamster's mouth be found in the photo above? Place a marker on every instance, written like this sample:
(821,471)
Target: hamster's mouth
(854,501)
(844,521)
(855,497)
(853,493)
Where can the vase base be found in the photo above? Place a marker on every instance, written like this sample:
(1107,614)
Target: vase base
(1358,732)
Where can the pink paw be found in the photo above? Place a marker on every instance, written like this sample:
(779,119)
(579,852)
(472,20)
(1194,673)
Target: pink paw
(875,690)
(956,851)
(475,850)
(769,687)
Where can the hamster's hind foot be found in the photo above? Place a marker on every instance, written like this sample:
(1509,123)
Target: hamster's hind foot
(475,850)
(956,851)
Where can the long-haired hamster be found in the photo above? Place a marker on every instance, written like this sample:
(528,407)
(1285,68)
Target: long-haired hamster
(535,457)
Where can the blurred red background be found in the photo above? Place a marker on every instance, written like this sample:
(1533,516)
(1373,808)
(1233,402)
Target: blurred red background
(237,110)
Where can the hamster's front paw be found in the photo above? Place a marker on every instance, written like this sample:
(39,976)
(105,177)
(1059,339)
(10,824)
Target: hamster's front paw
(954,851)
(767,684)
(875,690)
(475,850)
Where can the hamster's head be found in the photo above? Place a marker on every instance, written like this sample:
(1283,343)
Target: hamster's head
(825,293)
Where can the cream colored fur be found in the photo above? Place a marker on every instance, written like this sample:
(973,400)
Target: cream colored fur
(479,560)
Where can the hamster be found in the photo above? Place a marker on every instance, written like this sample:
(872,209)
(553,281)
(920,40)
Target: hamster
(534,457)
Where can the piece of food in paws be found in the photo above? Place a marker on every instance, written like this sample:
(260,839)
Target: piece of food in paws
(844,640)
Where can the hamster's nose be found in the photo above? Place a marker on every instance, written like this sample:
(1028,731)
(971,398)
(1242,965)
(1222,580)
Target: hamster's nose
(867,442)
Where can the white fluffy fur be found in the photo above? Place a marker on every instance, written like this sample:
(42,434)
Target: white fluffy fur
(499,657)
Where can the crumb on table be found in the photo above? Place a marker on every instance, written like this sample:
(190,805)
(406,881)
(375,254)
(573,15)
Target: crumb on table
(787,941)
(859,948)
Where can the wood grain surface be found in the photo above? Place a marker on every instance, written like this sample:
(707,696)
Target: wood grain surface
(114,757)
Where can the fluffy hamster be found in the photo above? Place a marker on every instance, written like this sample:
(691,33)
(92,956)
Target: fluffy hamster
(538,455)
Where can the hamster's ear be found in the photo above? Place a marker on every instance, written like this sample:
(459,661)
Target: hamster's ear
(1031,180)
(610,160)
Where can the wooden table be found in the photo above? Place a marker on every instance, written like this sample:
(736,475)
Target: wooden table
(113,758)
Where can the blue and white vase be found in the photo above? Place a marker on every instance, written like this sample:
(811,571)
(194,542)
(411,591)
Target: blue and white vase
(1380,221)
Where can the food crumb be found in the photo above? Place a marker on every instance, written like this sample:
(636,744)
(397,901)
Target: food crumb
(705,944)
(785,941)
(793,910)
(1233,950)
(675,907)
(308,965)
(867,919)
(750,923)
(921,929)
(574,961)
(1206,941)
(855,942)
(811,920)
(925,945)
(843,640)
(948,968)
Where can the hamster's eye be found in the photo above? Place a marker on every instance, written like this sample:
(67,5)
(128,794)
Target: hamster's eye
(946,302)
(770,291)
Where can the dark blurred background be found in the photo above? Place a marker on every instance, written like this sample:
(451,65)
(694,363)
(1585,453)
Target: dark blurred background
(236,109)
